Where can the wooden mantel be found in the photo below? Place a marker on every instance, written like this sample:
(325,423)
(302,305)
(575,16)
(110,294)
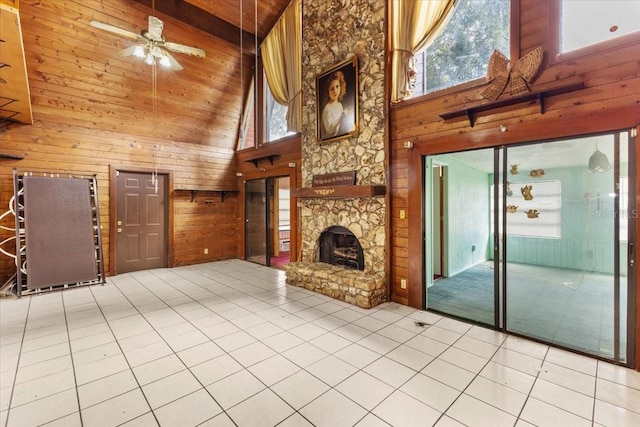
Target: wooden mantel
(339,191)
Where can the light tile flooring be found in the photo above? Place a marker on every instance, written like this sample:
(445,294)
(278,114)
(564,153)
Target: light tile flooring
(227,343)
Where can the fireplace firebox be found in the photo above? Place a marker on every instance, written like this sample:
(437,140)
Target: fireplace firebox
(339,246)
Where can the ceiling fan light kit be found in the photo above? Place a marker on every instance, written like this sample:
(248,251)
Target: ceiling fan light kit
(152,46)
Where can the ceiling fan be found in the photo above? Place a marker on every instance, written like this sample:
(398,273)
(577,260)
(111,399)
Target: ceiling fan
(152,46)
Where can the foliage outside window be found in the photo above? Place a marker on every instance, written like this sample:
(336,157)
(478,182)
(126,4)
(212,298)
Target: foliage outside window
(462,51)
(275,117)
(586,23)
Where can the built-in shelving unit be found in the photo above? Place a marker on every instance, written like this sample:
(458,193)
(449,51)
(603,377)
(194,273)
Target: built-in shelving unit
(540,96)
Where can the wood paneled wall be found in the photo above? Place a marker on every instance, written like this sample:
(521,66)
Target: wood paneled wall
(609,100)
(94,109)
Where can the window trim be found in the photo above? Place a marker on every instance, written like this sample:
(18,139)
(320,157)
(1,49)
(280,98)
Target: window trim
(557,57)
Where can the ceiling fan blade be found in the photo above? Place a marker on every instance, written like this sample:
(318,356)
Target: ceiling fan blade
(115,30)
(155,28)
(180,48)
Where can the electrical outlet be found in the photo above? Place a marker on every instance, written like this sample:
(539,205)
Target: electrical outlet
(206,251)
(403,214)
(403,283)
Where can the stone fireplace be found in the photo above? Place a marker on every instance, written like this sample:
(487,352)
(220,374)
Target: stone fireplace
(364,219)
(355,29)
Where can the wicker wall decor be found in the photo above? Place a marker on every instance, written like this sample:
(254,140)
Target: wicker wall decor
(518,76)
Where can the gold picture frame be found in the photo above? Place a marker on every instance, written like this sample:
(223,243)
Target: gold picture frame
(337,101)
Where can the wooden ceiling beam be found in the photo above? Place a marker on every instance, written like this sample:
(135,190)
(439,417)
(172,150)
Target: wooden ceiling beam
(203,20)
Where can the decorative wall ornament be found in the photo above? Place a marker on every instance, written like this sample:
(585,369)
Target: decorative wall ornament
(532,213)
(536,173)
(526,192)
(500,72)
(512,208)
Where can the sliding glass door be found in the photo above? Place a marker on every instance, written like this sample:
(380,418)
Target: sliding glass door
(460,262)
(256,242)
(535,240)
(268,221)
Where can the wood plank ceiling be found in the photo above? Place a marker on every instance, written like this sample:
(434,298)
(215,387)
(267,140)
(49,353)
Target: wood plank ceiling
(268,11)
(15,104)
(224,18)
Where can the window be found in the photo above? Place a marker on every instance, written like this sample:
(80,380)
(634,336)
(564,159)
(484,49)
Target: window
(528,219)
(586,23)
(275,117)
(462,50)
(625,214)
(247,137)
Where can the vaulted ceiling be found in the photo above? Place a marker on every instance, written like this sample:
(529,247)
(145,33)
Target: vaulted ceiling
(224,18)
(256,16)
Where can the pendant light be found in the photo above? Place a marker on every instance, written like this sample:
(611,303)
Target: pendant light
(598,162)
(154,174)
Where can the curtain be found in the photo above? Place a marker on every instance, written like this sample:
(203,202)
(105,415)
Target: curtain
(281,54)
(414,25)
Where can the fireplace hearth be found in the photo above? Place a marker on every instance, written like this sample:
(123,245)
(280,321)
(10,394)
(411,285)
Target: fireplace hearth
(339,246)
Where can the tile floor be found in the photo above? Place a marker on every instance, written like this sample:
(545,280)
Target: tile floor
(227,343)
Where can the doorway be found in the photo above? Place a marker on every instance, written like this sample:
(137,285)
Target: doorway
(141,215)
(437,216)
(268,221)
(539,238)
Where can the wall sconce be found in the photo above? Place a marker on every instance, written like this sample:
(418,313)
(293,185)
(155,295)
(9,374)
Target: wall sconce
(407,144)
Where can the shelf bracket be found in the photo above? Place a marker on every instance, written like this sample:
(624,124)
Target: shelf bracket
(470,117)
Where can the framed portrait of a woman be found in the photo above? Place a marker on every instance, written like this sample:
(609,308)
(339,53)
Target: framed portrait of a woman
(337,101)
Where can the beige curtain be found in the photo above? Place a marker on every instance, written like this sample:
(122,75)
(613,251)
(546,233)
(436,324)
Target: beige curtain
(281,54)
(414,25)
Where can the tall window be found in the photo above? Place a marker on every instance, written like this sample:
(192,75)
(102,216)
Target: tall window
(275,117)
(586,23)
(462,51)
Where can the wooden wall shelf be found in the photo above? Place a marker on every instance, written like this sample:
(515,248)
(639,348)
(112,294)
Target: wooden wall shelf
(339,191)
(539,96)
(10,156)
(256,160)
(195,191)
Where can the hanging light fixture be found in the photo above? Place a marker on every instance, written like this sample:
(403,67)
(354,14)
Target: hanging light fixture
(598,162)
(139,52)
